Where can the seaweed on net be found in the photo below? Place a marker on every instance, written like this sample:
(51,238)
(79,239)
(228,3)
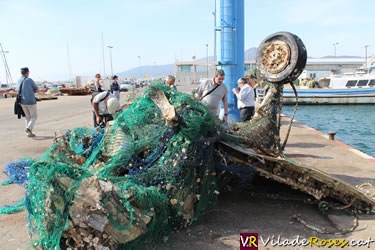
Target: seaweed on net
(131,184)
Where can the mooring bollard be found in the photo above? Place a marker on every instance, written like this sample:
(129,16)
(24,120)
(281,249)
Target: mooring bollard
(331,135)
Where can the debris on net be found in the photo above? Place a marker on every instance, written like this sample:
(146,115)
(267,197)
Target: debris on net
(17,172)
(150,172)
(262,133)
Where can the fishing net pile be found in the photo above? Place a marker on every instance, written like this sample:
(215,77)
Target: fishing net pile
(151,171)
(155,169)
(131,184)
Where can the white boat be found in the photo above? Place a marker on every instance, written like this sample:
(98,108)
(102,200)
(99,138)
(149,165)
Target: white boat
(348,88)
(354,88)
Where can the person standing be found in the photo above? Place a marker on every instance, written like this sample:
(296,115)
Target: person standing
(170,81)
(98,86)
(115,88)
(212,92)
(28,100)
(252,84)
(245,99)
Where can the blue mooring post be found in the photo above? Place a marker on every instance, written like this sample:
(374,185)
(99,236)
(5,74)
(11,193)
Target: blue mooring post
(229,37)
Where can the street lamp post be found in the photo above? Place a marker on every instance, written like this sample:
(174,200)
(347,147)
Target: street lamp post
(155,69)
(140,72)
(103,55)
(110,56)
(207,58)
(334,46)
(193,68)
(69,65)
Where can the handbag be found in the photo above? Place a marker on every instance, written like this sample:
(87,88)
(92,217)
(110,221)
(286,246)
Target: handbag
(18,111)
(209,92)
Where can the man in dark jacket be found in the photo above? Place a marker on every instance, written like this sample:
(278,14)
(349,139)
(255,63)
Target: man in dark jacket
(115,88)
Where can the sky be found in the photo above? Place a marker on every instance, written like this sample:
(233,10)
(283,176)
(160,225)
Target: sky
(37,33)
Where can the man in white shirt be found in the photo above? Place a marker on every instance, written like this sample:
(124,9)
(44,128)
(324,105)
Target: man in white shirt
(104,105)
(245,100)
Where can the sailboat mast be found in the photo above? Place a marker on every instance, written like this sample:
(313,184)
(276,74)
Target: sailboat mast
(8,75)
(103,55)
(69,65)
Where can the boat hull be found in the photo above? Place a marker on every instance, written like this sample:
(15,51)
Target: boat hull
(331,96)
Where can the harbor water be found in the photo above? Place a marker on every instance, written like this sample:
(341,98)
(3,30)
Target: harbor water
(354,124)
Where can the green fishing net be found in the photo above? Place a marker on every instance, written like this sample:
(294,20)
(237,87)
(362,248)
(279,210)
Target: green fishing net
(128,185)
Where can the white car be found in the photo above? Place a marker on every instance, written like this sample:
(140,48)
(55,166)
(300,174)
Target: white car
(126,85)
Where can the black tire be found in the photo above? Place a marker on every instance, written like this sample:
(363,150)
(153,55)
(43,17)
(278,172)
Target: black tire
(297,58)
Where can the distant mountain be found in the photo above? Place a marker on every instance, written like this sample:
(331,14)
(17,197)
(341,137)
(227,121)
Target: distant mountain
(149,70)
(168,69)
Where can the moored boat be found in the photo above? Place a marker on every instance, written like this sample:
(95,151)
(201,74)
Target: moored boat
(356,88)
(348,88)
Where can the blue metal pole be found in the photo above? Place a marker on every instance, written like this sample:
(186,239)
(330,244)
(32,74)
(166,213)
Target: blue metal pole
(230,47)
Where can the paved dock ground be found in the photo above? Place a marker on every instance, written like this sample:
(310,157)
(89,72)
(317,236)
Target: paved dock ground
(237,212)
(313,148)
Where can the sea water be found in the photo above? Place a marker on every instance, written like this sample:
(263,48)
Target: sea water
(354,124)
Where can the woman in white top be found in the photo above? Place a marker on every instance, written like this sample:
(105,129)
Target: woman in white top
(245,99)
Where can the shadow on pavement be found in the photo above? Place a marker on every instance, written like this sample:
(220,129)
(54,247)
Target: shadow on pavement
(308,156)
(305,145)
(41,138)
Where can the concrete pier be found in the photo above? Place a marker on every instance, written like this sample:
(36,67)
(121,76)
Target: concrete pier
(236,212)
(313,148)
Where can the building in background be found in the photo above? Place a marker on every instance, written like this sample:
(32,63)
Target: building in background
(189,72)
(316,68)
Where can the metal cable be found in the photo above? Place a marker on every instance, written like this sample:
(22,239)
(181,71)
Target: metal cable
(291,118)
